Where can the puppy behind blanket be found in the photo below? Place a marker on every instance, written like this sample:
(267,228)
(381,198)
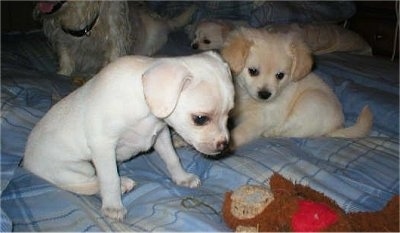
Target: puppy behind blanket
(211,34)
(326,38)
(276,95)
(89,34)
(124,110)
(321,38)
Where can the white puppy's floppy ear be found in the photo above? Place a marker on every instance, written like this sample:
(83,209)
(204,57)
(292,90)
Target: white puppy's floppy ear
(162,86)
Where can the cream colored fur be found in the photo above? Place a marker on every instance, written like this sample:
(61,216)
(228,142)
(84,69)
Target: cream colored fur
(125,110)
(211,34)
(321,38)
(277,95)
(326,38)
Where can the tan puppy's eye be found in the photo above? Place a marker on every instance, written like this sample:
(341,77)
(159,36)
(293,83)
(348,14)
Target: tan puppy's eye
(280,75)
(200,120)
(253,71)
(206,41)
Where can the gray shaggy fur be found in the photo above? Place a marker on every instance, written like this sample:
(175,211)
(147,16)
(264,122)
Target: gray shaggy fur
(109,38)
(121,28)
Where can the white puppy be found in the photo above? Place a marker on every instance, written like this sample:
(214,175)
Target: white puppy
(276,95)
(211,34)
(124,110)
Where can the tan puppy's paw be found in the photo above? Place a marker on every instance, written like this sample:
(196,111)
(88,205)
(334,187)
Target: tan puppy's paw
(188,180)
(127,184)
(230,149)
(114,213)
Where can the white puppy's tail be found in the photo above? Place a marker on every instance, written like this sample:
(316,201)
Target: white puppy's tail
(360,129)
(181,20)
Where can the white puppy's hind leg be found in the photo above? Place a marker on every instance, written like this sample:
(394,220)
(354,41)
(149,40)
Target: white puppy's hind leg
(77,177)
(85,188)
(92,187)
(167,153)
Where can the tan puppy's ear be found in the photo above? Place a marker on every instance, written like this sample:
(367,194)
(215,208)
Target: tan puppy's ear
(302,59)
(162,86)
(235,51)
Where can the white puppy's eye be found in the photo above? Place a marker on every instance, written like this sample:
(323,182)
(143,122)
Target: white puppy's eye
(205,41)
(280,75)
(200,120)
(253,71)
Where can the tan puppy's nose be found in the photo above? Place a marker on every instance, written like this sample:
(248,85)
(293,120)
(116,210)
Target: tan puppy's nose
(264,94)
(222,145)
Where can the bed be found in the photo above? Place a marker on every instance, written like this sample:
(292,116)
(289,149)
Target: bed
(359,174)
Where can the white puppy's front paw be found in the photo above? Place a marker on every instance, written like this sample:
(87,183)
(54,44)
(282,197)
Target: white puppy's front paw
(114,213)
(188,180)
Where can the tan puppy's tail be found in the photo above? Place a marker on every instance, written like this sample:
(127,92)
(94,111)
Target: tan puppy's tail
(360,129)
(181,20)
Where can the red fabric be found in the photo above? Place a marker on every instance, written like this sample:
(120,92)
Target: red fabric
(312,216)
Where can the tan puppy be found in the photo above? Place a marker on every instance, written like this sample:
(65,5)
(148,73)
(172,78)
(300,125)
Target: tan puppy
(325,38)
(124,110)
(276,95)
(89,34)
(321,38)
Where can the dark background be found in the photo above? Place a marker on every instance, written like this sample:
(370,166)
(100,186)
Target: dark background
(374,20)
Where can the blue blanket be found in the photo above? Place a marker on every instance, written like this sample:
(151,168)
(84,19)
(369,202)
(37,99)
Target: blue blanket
(359,174)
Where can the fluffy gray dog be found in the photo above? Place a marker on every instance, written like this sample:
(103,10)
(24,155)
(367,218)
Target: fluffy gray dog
(89,34)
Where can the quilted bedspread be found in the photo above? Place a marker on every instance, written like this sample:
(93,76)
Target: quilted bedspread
(359,174)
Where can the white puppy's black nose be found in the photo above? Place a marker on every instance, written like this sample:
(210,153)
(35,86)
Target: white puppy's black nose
(263,94)
(222,145)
